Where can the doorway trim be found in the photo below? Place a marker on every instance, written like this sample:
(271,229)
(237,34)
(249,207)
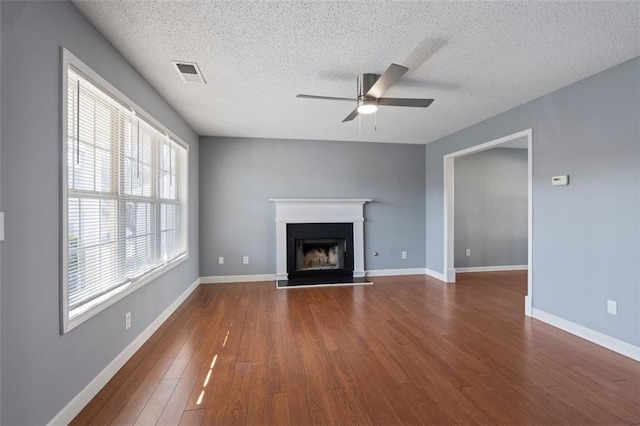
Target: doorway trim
(449,207)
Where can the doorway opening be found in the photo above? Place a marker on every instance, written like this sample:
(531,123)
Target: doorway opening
(449,206)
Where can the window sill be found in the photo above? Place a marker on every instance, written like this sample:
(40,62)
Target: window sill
(83,313)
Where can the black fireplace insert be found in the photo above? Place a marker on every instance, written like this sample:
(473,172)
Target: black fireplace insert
(319,250)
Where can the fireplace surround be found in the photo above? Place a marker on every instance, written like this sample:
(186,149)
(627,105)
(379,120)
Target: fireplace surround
(320,211)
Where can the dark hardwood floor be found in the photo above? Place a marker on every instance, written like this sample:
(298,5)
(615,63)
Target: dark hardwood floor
(406,350)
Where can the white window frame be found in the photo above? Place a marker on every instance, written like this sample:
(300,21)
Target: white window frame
(90,309)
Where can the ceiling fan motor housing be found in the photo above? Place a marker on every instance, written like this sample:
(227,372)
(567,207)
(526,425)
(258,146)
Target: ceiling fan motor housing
(365,82)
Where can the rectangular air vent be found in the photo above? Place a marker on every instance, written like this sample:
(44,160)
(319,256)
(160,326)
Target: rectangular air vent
(188,72)
(187,69)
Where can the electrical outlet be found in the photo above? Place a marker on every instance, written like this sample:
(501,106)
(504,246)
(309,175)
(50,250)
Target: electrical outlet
(220,260)
(561,180)
(127,320)
(468,252)
(612,307)
(404,254)
(245,260)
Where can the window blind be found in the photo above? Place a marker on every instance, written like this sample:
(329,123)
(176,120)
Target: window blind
(125,198)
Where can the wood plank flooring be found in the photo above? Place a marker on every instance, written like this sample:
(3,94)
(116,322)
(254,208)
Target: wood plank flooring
(406,350)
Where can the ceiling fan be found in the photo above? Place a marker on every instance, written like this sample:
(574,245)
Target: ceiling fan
(370,89)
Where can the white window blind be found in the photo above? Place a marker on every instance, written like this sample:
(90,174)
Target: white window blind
(125,203)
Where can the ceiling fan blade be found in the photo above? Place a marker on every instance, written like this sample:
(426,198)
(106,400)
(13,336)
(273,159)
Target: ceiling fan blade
(326,98)
(386,80)
(351,116)
(420,103)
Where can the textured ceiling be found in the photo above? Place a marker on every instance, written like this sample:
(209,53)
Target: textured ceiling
(476,59)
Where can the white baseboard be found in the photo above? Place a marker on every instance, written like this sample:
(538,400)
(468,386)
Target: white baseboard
(435,274)
(76,405)
(219,279)
(593,336)
(391,272)
(450,276)
(528,306)
(492,268)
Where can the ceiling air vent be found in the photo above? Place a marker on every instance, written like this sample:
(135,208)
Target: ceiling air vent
(188,72)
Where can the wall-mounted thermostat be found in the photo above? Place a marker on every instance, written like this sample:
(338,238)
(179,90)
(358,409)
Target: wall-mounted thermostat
(561,180)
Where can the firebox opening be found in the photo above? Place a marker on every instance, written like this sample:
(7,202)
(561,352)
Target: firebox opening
(320,254)
(319,250)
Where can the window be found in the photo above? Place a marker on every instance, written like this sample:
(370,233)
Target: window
(124,196)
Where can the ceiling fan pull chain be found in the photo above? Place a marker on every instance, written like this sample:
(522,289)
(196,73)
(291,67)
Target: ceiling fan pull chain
(375,121)
(359,124)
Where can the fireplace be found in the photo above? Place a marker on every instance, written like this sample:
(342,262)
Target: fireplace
(323,227)
(319,250)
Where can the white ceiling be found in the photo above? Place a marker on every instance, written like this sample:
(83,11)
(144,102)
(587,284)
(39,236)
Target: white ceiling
(476,59)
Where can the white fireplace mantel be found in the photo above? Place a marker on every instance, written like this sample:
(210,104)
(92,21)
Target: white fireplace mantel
(323,210)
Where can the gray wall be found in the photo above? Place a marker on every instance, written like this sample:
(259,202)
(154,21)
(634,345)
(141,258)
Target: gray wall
(41,369)
(239,176)
(491,208)
(586,236)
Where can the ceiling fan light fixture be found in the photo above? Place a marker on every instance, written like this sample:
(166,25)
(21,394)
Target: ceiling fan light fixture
(367,106)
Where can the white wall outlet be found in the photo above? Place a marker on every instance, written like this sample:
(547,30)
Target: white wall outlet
(245,260)
(612,307)
(404,254)
(220,260)
(127,320)
(561,180)
(467,252)
(1,226)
